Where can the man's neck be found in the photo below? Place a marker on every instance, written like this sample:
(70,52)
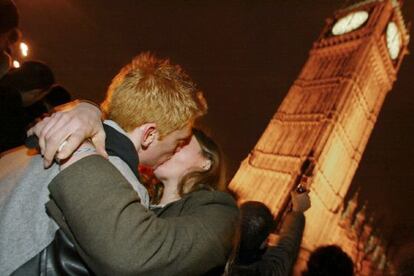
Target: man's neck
(134,140)
(119,144)
(133,136)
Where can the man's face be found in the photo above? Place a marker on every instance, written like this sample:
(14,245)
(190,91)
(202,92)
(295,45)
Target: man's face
(160,151)
(188,158)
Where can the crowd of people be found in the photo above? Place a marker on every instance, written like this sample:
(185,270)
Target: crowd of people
(79,206)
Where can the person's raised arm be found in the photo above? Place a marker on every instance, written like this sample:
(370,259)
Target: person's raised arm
(279,259)
(62,133)
(300,202)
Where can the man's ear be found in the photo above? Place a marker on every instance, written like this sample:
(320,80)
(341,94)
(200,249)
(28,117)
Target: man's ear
(149,135)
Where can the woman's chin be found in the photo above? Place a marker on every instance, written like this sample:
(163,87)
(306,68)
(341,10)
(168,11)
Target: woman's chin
(157,167)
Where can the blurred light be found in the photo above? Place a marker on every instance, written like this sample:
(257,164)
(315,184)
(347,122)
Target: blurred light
(16,64)
(24,49)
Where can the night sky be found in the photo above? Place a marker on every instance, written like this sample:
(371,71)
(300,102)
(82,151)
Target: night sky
(244,55)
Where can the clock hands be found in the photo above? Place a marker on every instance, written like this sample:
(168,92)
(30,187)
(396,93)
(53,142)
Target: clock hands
(350,22)
(393,40)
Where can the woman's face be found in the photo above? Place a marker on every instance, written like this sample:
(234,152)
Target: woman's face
(187,159)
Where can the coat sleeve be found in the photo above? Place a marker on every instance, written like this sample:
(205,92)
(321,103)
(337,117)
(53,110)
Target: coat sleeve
(279,259)
(116,235)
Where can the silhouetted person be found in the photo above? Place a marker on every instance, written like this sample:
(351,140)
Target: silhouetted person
(253,257)
(21,89)
(32,80)
(256,225)
(5,63)
(57,95)
(329,260)
(9,20)
(12,119)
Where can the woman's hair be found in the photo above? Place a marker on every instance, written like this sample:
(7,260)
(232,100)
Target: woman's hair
(211,179)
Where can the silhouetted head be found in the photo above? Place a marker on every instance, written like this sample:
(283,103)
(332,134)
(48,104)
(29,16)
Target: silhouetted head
(31,75)
(5,63)
(255,226)
(32,80)
(329,260)
(57,95)
(9,17)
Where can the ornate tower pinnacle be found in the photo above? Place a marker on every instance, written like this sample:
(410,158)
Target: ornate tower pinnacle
(358,222)
(348,215)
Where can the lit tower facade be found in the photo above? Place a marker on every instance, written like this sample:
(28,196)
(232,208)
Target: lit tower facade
(322,127)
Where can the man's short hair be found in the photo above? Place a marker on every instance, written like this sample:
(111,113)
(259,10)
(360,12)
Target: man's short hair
(152,90)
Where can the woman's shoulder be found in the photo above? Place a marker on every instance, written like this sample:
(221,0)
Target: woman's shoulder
(201,202)
(212,208)
(207,197)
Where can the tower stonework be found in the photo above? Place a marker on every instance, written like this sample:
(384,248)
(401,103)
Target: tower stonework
(326,119)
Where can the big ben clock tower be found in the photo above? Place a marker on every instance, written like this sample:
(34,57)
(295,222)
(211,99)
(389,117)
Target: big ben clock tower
(320,130)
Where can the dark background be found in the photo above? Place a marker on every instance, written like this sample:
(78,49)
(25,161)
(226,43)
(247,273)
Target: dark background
(244,55)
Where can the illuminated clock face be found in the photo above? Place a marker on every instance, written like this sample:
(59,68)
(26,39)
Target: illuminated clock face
(350,22)
(393,37)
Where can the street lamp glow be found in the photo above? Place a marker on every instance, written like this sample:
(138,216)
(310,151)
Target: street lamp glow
(16,64)
(24,49)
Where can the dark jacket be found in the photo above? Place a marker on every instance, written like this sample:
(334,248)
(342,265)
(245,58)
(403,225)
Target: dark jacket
(278,260)
(116,235)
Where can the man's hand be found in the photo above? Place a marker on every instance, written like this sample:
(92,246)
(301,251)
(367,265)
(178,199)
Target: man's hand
(73,123)
(84,150)
(300,201)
